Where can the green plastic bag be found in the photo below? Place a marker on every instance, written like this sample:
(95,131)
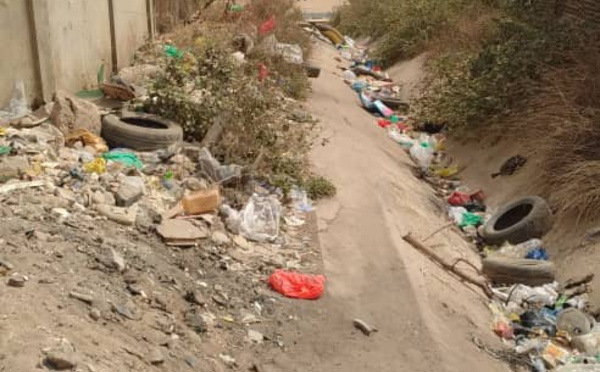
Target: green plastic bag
(470,219)
(173,52)
(237,8)
(127,158)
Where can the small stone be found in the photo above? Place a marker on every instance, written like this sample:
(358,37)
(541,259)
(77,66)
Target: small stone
(124,216)
(82,297)
(13,167)
(130,191)
(109,198)
(98,198)
(255,336)
(249,318)
(195,321)
(95,314)
(117,261)
(194,184)
(362,326)
(155,357)
(228,360)
(195,297)
(65,194)
(220,238)
(17,280)
(125,311)
(190,361)
(6,264)
(220,299)
(60,361)
(61,214)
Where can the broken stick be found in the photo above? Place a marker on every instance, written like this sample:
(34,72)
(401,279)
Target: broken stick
(447,266)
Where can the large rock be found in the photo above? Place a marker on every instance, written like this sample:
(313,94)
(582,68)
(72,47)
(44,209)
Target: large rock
(70,113)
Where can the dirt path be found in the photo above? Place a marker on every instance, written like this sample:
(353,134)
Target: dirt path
(426,318)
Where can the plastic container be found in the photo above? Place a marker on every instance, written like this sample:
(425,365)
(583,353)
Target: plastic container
(202,201)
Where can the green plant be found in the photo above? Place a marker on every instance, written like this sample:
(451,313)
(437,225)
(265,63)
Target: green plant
(479,87)
(318,187)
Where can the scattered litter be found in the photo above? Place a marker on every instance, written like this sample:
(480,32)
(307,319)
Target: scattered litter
(296,285)
(259,220)
(128,159)
(364,327)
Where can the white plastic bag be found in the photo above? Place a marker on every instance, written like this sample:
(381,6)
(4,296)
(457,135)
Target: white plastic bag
(422,154)
(455,213)
(291,53)
(402,139)
(259,220)
(17,108)
(349,76)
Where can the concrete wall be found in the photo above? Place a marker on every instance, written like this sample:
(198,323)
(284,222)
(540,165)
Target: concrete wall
(131,28)
(17,61)
(80,40)
(61,44)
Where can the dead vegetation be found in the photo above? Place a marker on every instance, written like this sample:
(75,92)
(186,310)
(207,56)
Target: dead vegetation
(255,101)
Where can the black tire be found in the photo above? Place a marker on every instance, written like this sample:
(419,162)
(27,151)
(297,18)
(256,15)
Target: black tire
(312,71)
(518,221)
(141,132)
(506,270)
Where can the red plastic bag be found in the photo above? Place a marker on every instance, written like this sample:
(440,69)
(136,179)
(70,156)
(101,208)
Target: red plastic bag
(296,285)
(263,72)
(384,123)
(458,199)
(268,26)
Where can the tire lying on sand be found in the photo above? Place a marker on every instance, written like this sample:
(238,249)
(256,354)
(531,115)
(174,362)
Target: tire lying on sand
(507,270)
(142,132)
(518,221)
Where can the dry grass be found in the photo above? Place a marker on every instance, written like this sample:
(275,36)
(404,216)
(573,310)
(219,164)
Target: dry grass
(563,127)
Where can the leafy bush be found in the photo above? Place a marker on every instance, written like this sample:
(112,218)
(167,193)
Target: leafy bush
(477,87)
(401,28)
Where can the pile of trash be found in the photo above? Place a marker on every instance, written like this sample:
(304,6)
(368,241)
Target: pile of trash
(549,323)
(135,170)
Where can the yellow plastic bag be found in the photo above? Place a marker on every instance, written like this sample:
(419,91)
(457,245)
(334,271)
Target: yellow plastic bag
(97,165)
(446,172)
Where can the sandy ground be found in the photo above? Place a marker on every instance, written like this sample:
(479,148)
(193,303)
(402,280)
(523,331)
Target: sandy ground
(426,318)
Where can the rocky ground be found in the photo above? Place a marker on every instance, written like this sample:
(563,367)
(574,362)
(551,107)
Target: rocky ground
(89,285)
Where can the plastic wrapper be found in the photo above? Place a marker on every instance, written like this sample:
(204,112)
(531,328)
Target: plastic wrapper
(296,285)
(260,218)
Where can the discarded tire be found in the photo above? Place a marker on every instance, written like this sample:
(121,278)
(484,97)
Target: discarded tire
(506,270)
(518,221)
(142,132)
(312,71)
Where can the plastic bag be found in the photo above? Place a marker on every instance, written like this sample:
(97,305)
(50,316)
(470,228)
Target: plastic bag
(470,219)
(291,53)
(296,285)
(259,220)
(17,107)
(422,154)
(129,159)
(97,165)
(383,109)
(87,138)
(402,139)
(349,76)
(458,199)
(300,200)
(267,26)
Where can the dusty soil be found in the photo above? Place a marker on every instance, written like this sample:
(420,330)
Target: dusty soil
(426,318)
